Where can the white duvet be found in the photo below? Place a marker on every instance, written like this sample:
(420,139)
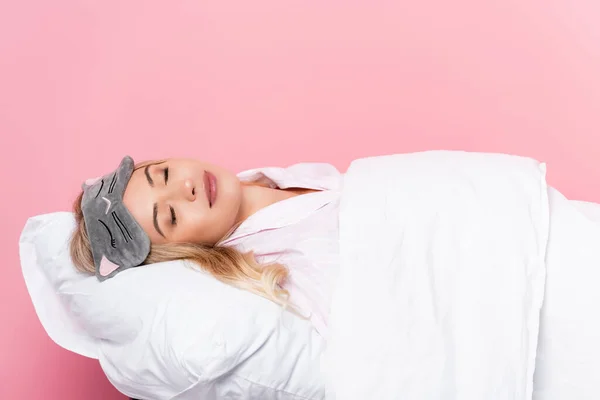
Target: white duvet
(442,278)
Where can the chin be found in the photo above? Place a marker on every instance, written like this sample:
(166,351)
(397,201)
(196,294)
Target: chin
(229,191)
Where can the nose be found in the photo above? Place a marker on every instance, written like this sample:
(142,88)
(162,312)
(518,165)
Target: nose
(189,190)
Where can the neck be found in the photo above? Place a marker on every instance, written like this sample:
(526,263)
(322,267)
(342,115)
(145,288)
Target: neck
(254,198)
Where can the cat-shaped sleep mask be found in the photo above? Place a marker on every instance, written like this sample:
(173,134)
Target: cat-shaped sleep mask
(118,242)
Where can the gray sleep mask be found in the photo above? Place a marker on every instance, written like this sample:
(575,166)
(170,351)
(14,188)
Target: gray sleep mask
(118,242)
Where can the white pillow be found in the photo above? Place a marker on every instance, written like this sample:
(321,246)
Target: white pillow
(168,331)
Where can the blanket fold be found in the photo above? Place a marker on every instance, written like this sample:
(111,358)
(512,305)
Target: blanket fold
(442,278)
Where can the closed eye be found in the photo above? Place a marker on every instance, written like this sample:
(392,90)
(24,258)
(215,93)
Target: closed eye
(166,175)
(173,216)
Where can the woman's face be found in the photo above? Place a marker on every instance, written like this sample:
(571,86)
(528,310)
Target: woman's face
(184,200)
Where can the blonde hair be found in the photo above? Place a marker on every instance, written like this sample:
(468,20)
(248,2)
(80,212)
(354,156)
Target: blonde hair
(226,264)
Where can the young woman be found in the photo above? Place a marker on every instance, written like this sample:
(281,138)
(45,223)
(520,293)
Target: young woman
(466,254)
(272,231)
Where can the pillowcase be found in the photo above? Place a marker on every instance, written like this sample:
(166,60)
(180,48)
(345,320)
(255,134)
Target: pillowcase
(168,330)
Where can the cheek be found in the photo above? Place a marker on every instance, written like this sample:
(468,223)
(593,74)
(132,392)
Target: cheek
(197,221)
(206,228)
(201,223)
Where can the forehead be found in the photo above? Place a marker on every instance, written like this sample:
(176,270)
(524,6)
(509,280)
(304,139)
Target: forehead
(138,182)
(139,201)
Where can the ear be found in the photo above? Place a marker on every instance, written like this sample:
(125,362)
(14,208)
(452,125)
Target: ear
(107,267)
(91,181)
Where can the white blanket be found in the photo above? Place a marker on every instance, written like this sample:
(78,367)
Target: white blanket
(442,278)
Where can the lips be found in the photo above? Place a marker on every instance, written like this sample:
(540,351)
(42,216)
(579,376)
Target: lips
(210,188)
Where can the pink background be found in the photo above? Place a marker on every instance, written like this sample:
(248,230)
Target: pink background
(251,83)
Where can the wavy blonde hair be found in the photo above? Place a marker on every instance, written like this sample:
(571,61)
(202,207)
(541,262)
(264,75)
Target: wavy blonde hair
(226,264)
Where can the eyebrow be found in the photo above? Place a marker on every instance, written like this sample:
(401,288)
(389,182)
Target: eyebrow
(150,181)
(155,208)
(154,217)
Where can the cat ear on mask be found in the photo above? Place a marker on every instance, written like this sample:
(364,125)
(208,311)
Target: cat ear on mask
(106,267)
(90,182)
